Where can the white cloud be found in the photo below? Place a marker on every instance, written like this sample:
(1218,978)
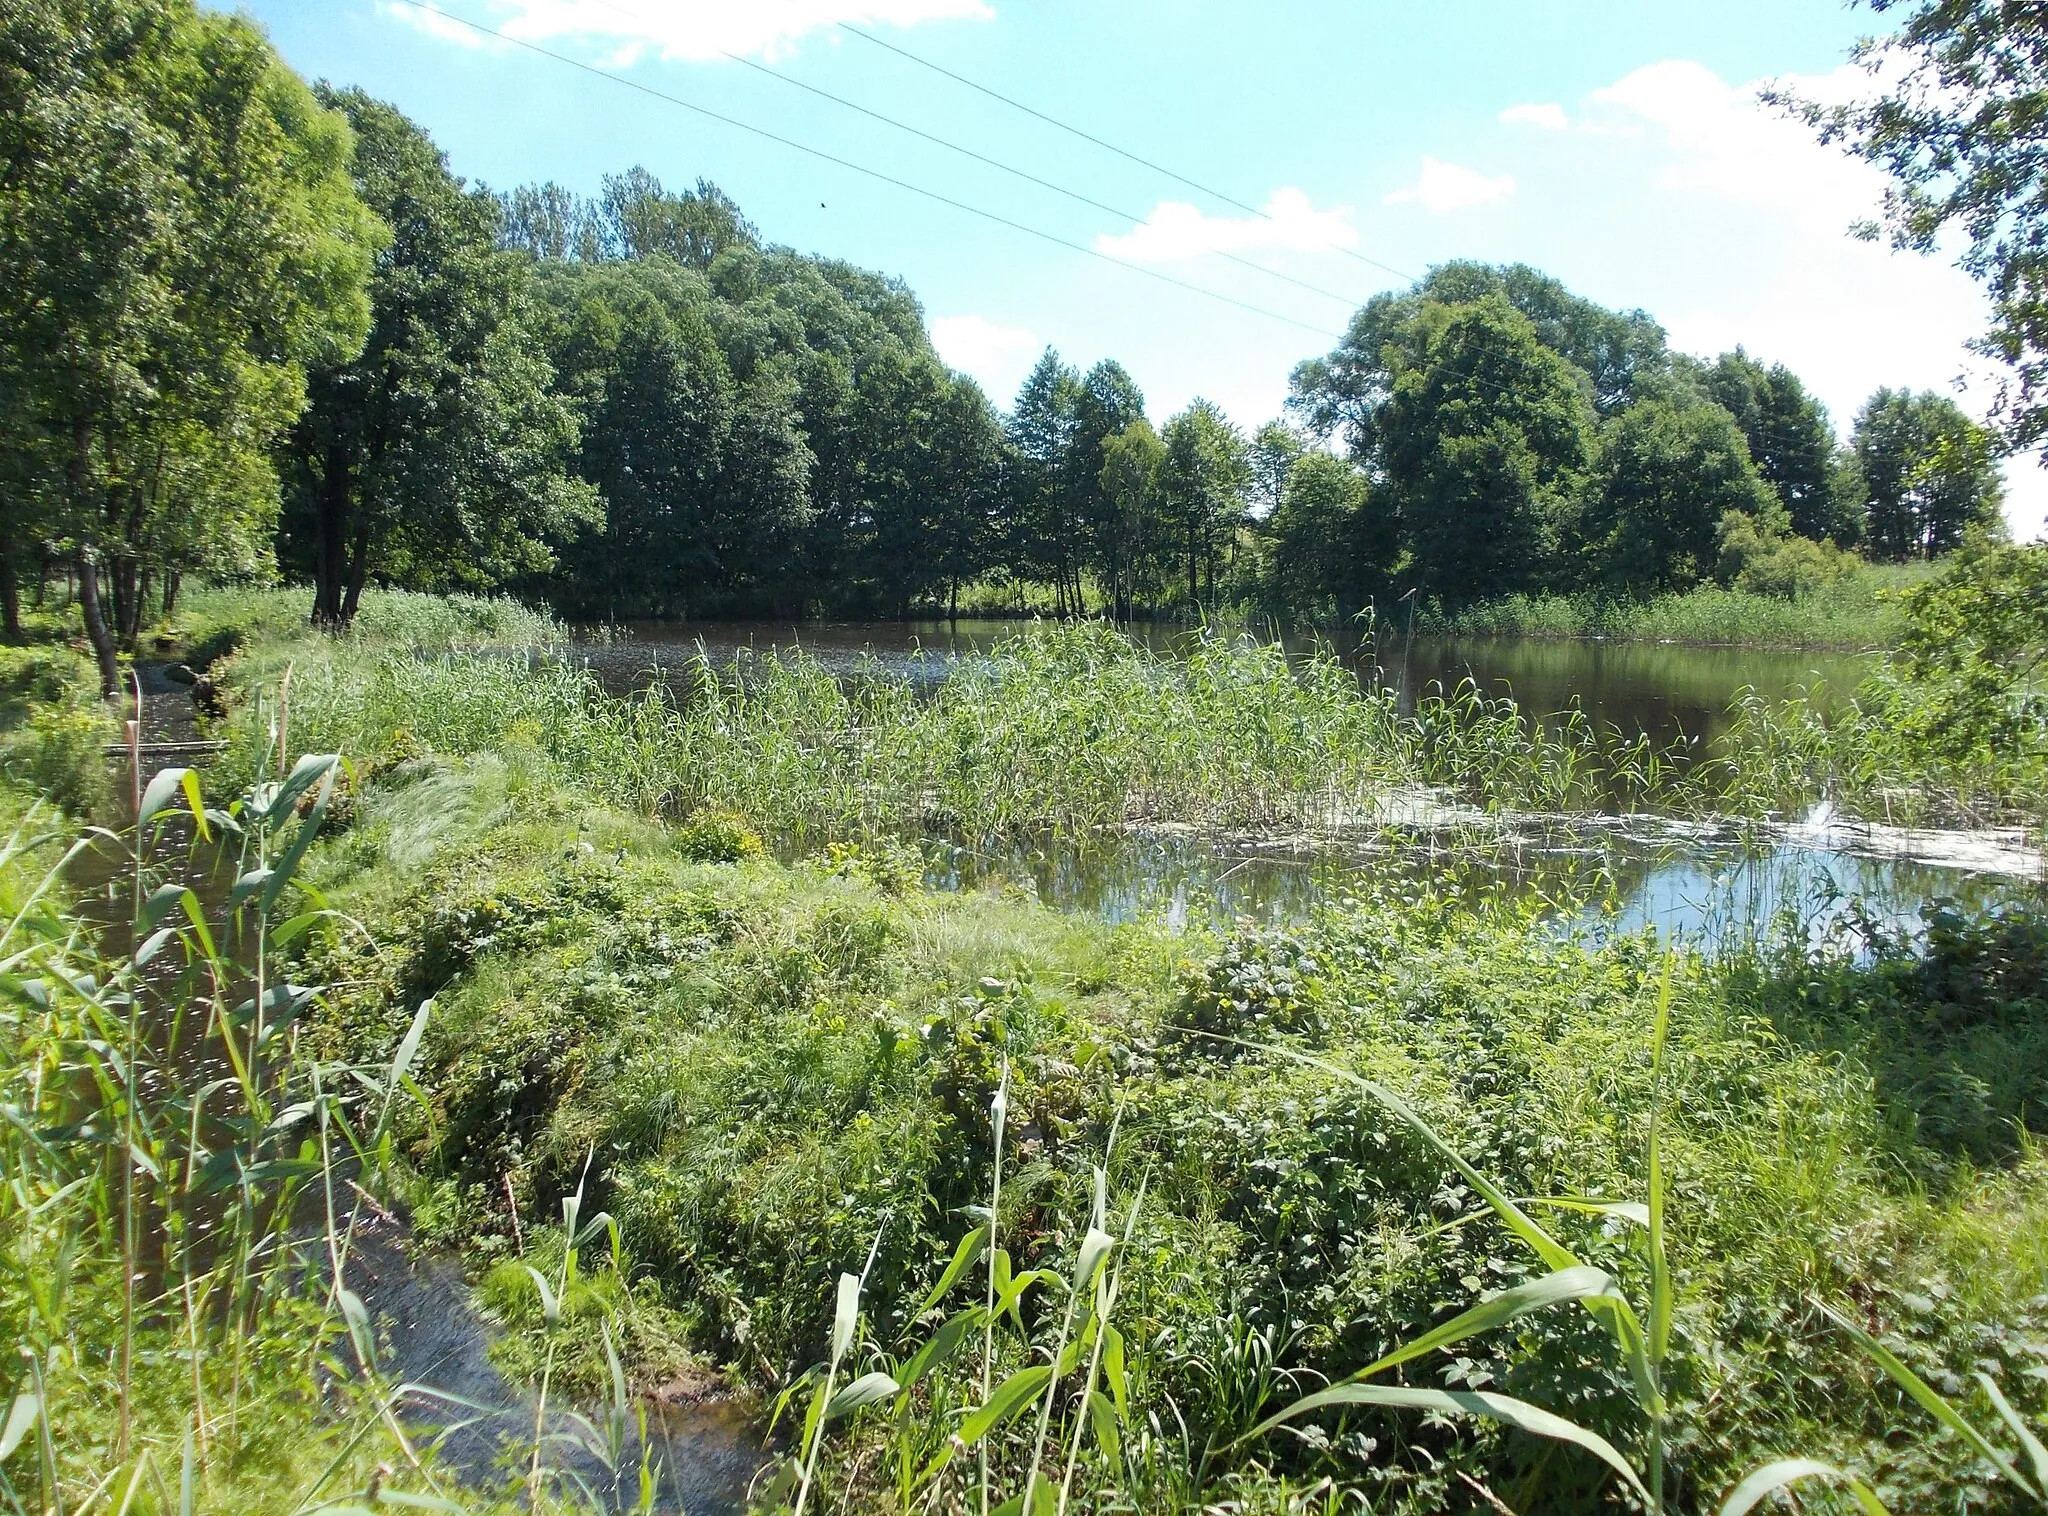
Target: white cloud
(997,356)
(1547,116)
(1742,229)
(436,25)
(1449,187)
(694,30)
(1177,231)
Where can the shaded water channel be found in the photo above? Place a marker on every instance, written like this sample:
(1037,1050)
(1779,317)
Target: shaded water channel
(702,1445)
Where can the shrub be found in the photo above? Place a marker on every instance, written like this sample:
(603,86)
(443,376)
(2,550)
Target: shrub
(715,835)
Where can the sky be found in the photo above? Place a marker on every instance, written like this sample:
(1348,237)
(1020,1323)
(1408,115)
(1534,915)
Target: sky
(1298,156)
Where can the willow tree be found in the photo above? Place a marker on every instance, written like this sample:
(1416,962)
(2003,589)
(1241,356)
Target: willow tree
(179,239)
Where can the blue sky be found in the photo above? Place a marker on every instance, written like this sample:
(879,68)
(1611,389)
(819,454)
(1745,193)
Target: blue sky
(1614,143)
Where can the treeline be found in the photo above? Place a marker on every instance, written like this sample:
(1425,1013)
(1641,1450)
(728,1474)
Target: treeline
(247,323)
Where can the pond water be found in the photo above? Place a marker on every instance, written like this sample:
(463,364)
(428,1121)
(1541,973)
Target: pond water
(1685,880)
(1663,689)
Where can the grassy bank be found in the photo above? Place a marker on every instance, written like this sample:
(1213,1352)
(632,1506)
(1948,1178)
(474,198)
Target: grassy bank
(1857,612)
(770,1074)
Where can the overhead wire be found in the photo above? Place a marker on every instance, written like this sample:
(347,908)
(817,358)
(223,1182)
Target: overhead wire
(964,151)
(860,168)
(946,200)
(1107,146)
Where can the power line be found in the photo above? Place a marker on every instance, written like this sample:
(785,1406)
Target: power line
(995,163)
(1110,147)
(861,168)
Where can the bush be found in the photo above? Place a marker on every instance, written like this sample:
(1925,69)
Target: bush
(715,835)
(1755,561)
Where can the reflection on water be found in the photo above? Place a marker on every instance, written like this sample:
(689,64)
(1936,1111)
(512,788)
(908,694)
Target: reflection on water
(1703,885)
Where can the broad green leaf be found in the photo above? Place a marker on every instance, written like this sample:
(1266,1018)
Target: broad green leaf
(845,1315)
(941,1345)
(1102,1419)
(2037,1455)
(307,772)
(1095,1247)
(198,803)
(864,1391)
(165,784)
(1566,1284)
(550,1307)
(288,863)
(964,1256)
(1113,1369)
(1503,1408)
(409,1046)
(1660,1273)
(1010,1397)
(22,1416)
(152,945)
(1786,1472)
(160,900)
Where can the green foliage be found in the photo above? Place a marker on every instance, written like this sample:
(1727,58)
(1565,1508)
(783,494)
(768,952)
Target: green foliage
(786,1072)
(712,835)
(1964,82)
(1756,560)
(1483,438)
(436,456)
(1665,475)
(1930,474)
(183,242)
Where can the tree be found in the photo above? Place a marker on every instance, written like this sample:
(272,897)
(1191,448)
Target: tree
(1929,474)
(1481,443)
(1138,564)
(1791,443)
(1047,535)
(178,239)
(1329,548)
(1664,477)
(1614,353)
(1108,402)
(1959,128)
(438,456)
(1203,480)
(1276,447)
(638,219)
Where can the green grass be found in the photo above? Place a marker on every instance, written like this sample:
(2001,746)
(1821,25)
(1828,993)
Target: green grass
(776,1065)
(1060,731)
(1855,613)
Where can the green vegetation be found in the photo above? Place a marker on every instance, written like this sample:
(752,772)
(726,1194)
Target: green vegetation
(1856,610)
(352,365)
(788,1070)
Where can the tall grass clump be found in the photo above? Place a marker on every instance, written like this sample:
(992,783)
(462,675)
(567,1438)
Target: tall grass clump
(1860,610)
(215,621)
(1062,731)
(184,1179)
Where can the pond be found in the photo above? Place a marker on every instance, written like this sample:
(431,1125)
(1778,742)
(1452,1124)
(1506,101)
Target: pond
(1682,879)
(1663,689)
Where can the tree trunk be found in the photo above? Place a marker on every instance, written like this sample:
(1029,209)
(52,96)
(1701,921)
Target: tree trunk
(121,587)
(96,626)
(330,541)
(10,591)
(358,572)
(170,592)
